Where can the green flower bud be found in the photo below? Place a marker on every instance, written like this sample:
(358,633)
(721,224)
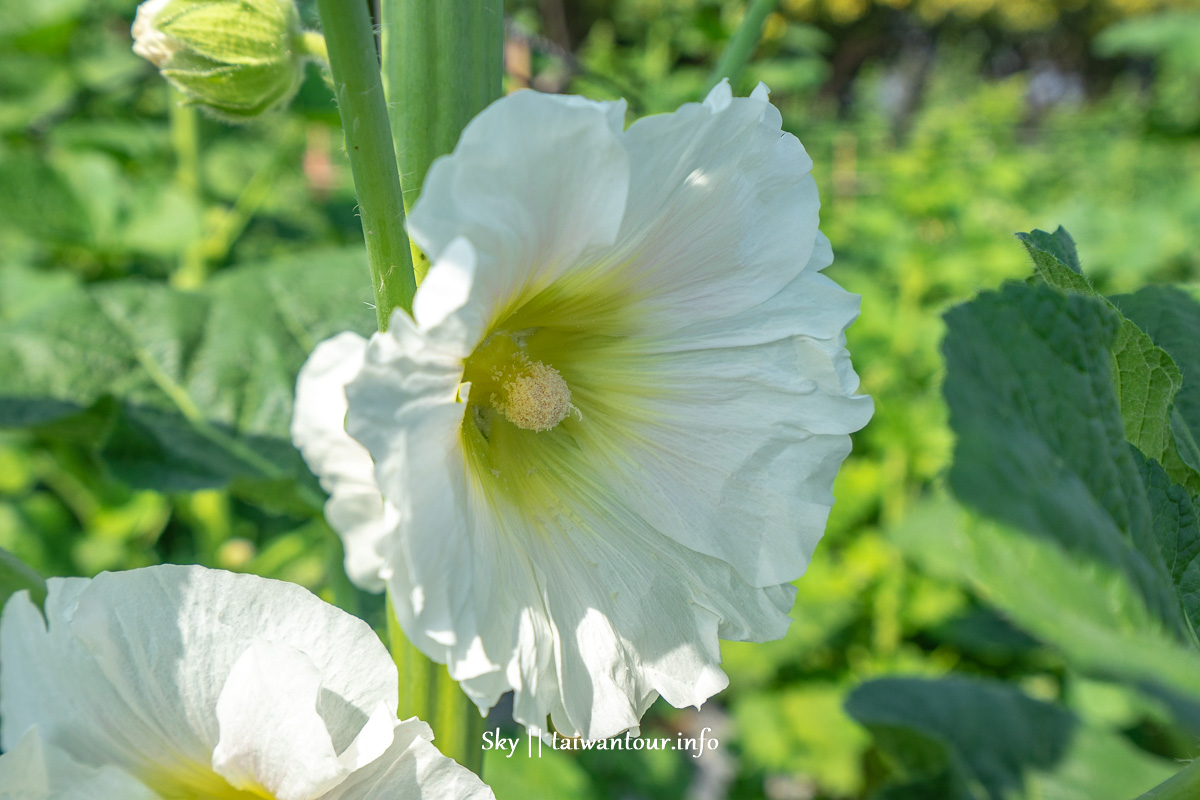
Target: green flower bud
(235,58)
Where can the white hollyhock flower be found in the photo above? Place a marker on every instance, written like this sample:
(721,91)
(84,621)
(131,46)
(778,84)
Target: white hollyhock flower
(183,682)
(610,434)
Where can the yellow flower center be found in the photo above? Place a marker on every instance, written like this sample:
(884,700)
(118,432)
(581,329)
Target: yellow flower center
(535,399)
(555,388)
(188,781)
(530,394)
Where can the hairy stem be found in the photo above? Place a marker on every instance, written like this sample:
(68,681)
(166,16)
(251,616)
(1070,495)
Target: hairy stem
(1184,785)
(358,88)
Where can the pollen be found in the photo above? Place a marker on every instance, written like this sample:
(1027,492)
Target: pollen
(536,398)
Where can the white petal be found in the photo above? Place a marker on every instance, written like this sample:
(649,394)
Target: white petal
(447,286)
(355,508)
(744,423)
(405,407)
(720,96)
(128,667)
(35,770)
(722,210)
(271,735)
(638,617)
(412,767)
(555,195)
(810,305)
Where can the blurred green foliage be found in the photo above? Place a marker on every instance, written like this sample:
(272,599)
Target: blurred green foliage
(930,148)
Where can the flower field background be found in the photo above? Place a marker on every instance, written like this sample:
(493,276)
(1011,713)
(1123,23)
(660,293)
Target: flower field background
(173,269)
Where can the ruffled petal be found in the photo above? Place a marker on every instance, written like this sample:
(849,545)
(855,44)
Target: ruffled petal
(405,408)
(722,210)
(127,668)
(553,199)
(743,424)
(635,616)
(271,734)
(411,767)
(355,508)
(35,770)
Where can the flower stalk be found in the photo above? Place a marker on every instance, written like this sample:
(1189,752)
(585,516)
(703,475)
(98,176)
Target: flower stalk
(358,88)
(740,47)
(185,141)
(427,691)
(442,64)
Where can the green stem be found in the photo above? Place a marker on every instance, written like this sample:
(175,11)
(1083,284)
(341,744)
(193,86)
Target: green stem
(185,141)
(229,223)
(443,62)
(741,45)
(427,691)
(1184,785)
(359,92)
(16,575)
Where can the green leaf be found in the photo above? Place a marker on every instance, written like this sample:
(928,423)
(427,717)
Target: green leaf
(15,576)
(1177,529)
(38,203)
(25,291)
(979,739)
(22,19)
(1041,441)
(1171,317)
(1088,611)
(1147,378)
(1058,244)
(184,390)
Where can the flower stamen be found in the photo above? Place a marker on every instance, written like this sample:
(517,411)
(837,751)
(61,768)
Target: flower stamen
(534,398)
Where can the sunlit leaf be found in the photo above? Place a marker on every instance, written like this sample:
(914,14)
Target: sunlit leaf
(984,740)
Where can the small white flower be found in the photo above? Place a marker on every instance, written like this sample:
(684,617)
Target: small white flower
(183,682)
(610,435)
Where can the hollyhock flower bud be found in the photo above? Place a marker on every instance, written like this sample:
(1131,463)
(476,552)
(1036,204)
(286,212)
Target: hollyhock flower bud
(235,58)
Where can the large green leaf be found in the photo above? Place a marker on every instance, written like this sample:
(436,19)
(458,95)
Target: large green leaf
(1147,378)
(183,390)
(983,740)
(1049,251)
(1087,610)
(1041,441)
(1177,529)
(1171,317)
